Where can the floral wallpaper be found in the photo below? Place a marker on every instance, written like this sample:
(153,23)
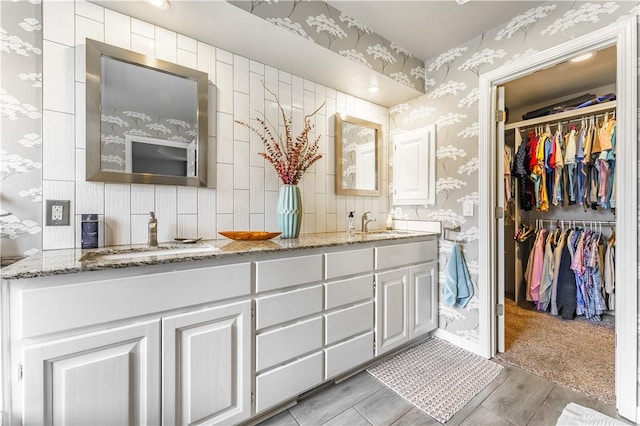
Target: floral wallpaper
(325,25)
(20,124)
(451,102)
(118,124)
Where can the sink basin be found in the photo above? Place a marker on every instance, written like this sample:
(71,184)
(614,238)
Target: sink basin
(384,232)
(133,253)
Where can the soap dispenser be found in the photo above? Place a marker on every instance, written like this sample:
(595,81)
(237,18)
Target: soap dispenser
(351,224)
(153,230)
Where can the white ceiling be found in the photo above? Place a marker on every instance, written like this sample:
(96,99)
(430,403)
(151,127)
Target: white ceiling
(426,28)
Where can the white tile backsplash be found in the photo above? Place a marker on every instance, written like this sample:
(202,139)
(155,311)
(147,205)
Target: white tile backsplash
(241,171)
(241,210)
(246,193)
(187,200)
(187,226)
(90,10)
(89,195)
(166,212)
(240,74)
(58,146)
(143,28)
(225,129)
(117,214)
(85,28)
(187,43)
(62,13)
(80,119)
(207,60)
(142,44)
(187,59)
(166,45)
(117,29)
(224,83)
(224,56)
(142,199)
(57,77)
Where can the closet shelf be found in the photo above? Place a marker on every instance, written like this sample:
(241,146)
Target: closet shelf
(563,115)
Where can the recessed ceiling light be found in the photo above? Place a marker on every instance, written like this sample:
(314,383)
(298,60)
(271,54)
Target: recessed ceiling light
(373,89)
(162,4)
(582,57)
(461,2)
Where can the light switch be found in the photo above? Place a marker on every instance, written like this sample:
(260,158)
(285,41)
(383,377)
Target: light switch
(467,208)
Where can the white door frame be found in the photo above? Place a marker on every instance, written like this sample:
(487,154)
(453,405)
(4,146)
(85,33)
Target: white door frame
(624,36)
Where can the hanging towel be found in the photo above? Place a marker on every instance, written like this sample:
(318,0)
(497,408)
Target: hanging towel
(458,287)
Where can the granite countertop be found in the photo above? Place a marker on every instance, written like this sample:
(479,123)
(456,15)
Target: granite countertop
(69,261)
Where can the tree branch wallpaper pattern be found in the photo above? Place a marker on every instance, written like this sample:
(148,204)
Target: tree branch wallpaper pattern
(451,101)
(21,124)
(326,26)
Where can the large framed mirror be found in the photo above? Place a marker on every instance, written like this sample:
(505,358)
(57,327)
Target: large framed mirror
(147,119)
(358,156)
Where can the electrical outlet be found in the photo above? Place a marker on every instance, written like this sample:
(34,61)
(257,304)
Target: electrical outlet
(57,212)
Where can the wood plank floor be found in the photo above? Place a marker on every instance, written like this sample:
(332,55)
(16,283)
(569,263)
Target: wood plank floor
(515,397)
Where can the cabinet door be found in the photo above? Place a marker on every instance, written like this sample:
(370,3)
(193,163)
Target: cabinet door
(414,167)
(103,378)
(206,361)
(423,298)
(392,294)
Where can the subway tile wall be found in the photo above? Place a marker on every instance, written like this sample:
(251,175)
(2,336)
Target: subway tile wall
(246,190)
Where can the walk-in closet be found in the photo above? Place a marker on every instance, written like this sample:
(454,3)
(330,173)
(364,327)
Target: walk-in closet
(560,223)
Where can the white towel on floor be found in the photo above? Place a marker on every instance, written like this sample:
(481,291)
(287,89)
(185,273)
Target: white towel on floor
(577,415)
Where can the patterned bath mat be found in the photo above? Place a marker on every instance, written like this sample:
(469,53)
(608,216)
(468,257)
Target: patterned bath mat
(436,376)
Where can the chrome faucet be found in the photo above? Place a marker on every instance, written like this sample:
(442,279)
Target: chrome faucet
(366,221)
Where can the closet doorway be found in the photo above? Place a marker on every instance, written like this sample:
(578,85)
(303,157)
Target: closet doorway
(493,262)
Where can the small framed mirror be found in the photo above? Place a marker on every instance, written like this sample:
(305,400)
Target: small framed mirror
(358,156)
(147,119)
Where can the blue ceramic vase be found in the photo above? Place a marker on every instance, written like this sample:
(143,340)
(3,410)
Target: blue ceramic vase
(289,211)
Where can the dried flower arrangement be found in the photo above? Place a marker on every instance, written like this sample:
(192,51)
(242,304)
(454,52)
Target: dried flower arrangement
(291,159)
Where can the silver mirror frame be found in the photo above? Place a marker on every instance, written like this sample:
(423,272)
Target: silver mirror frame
(94,52)
(340,190)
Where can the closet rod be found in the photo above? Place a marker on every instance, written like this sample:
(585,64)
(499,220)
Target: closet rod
(578,221)
(580,112)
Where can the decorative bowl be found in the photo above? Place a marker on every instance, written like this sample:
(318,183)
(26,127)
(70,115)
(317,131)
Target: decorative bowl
(249,235)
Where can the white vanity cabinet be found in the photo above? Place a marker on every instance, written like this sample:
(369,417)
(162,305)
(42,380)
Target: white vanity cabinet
(110,377)
(348,310)
(289,358)
(206,360)
(215,341)
(406,293)
(171,347)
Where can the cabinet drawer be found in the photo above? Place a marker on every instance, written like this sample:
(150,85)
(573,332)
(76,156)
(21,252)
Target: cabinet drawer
(405,254)
(283,307)
(347,355)
(349,322)
(348,262)
(289,342)
(348,291)
(62,307)
(287,381)
(280,273)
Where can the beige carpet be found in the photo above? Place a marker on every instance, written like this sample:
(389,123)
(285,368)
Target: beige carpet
(576,354)
(436,376)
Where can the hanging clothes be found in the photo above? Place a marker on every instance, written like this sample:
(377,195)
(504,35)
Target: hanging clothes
(558,169)
(570,272)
